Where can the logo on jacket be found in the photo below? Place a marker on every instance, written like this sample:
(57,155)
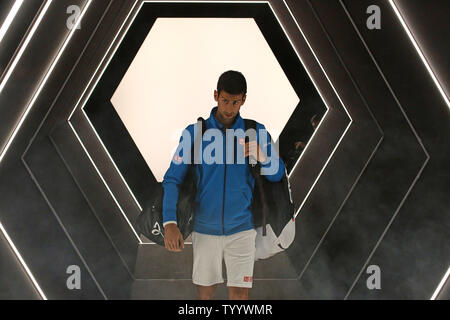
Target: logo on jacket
(177,158)
(248,279)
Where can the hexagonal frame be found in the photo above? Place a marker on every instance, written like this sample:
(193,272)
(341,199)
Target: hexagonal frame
(86,99)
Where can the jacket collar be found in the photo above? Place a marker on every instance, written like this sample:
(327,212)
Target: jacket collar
(237,123)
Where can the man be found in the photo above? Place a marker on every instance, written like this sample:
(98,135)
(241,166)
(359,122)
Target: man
(223,223)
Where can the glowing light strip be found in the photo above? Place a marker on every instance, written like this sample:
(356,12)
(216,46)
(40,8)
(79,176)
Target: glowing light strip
(2,84)
(30,105)
(422,57)
(110,158)
(104,182)
(9,19)
(44,81)
(24,46)
(340,100)
(103,59)
(13,65)
(22,262)
(441,284)
(98,137)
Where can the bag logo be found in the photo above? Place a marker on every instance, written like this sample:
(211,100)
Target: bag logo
(156,231)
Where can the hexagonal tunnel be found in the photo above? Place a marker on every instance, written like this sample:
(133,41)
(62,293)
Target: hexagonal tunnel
(162,77)
(91,117)
(155,84)
(133,82)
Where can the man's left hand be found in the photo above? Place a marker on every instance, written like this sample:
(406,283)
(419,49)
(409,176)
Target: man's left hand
(253,149)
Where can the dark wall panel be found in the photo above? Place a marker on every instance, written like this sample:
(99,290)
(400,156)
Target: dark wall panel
(14,282)
(413,254)
(29,194)
(78,221)
(38,236)
(18,29)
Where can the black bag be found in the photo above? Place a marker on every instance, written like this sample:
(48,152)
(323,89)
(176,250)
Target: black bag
(273,210)
(150,221)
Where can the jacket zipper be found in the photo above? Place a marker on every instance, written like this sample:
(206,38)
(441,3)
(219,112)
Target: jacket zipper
(224,181)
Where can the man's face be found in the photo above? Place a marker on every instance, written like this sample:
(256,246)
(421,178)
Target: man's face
(228,106)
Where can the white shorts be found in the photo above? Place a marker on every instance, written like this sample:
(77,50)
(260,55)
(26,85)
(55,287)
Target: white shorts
(237,249)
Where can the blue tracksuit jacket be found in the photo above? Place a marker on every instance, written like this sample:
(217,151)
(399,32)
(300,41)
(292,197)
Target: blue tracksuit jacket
(224,189)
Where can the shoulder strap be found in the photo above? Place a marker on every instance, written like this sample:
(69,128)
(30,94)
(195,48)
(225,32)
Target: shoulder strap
(250,124)
(203,124)
(254,169)
(198,139)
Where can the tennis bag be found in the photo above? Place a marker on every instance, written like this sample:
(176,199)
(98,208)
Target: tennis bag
(273,211)
(150,221)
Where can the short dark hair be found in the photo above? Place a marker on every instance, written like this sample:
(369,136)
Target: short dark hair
(232,82)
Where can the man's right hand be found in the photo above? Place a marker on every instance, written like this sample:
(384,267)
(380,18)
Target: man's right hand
(173,239)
